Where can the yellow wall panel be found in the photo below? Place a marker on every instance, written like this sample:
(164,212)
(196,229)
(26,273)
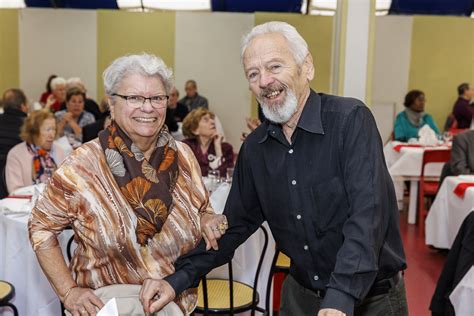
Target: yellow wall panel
(442,57)
(121,33)
(9,50)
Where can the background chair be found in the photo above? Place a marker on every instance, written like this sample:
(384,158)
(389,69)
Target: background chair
(280,264)
(226,296)
(429,187)
(7,292)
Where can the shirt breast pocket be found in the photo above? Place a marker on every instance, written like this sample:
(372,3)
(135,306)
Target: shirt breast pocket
(330,205)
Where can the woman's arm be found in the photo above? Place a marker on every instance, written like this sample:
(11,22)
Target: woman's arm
(74,298)
(75,127)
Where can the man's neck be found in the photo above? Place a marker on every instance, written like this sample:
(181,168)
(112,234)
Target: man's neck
(465,97)
(290,126)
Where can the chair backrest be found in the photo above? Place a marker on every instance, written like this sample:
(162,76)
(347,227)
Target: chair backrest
(433,156)
(451,122)
(255,295)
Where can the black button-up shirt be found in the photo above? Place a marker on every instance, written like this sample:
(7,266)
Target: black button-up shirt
(327,197)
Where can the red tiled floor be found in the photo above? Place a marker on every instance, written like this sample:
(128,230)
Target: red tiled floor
(424,266)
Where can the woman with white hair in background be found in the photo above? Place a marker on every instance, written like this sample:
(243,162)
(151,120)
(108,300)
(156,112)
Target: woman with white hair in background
(58,94)
(134,198)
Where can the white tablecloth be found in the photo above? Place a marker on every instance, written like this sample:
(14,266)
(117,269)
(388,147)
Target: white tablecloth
(19,266)
(447,213)
(405,165)
(463,294)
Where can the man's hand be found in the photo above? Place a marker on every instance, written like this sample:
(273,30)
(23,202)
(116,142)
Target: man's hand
(330,312)
(155,294)
(213,227)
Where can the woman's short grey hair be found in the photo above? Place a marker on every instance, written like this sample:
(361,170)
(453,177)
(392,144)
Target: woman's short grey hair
(298,45)
(58,81)
(143,64)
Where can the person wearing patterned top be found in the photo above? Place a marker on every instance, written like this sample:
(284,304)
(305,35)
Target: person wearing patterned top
(134,198)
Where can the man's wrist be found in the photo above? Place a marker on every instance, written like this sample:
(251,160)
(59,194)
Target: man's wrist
(339,300)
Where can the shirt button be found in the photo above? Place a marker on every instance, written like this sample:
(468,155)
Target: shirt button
(305,247)
(293,182)
(298,216)
(316,278)
(290,151)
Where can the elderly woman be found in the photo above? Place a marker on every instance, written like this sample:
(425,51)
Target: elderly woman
(409,122)
(34,160)
(74,118)
(133,196)
(206,143)
(58,94)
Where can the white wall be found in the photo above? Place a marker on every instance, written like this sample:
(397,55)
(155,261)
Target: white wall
(62,43)
(391,69)
(210,54)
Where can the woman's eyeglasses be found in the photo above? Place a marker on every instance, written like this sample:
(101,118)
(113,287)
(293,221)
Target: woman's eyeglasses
(136,101)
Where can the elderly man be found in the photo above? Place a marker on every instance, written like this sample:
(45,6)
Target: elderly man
(192,99)
(315,171)
(464,111)
(15,107)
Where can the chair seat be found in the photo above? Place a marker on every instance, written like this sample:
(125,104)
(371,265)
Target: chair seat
(219,295)
(283,262)
(430,188)
(6,292)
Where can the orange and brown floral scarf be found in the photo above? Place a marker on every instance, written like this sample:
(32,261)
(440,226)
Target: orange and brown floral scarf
(146,184)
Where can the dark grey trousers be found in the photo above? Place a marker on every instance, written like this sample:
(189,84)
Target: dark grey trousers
(299,301)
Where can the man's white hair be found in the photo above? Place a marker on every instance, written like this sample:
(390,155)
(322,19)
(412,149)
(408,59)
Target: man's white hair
(143,64)
(298,45)
(58,81)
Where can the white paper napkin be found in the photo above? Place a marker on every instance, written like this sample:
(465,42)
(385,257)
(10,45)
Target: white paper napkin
(109,309)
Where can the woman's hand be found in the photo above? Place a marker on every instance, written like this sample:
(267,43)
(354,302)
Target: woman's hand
(50,101)
(82,302)
(213,227)
(155,294)
(218,139)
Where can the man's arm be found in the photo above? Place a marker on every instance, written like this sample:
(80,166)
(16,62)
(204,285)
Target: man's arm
(371,198)
(244,217)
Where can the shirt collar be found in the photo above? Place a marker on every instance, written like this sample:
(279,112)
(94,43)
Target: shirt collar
(310,119)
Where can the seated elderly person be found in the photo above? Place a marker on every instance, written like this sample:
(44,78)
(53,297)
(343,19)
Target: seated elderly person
(74,118)
(35,159)
(58,94)
(409,121)
(206,143)
(134,198)
(462,156)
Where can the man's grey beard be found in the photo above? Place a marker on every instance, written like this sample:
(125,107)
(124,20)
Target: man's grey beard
(281,113)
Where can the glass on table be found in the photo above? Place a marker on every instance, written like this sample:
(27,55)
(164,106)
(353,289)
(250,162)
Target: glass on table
(214,179)
(229,174)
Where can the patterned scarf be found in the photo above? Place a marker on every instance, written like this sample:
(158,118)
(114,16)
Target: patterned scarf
(146,184)
(43,164)
(415,118)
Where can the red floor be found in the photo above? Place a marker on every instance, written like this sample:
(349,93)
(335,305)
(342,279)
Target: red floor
(424,266)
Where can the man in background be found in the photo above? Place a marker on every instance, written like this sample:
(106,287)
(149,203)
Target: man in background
(15,106)
(463,109)
(192,99)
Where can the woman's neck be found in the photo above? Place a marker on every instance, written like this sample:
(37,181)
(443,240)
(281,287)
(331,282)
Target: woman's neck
(146,145)
(204,143)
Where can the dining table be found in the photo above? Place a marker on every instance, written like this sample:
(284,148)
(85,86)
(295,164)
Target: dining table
(404,162)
